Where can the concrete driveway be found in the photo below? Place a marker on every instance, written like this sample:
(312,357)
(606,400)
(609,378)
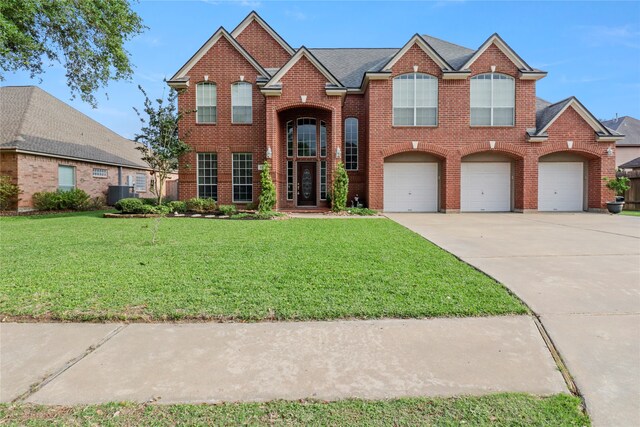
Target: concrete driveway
(580,273)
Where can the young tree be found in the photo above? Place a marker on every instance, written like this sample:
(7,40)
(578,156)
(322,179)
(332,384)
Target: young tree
(86,37)
(268,193)
(160,144)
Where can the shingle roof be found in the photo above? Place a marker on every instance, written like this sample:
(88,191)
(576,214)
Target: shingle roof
(33,120)
(631,164)
(350,64)
(628,126)
(454,54)
(545,111)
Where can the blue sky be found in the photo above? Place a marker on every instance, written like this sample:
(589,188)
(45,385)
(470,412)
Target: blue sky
(590,49)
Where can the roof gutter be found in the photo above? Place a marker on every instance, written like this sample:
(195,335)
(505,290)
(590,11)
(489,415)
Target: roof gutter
(76,159)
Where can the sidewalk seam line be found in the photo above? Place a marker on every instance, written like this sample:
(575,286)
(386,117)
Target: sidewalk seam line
(35,387)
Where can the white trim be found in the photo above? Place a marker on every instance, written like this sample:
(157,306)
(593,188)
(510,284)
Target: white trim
(584,113)
(504,48)
(532,75)
(208,45)
(74,159)
(303,51)
(426,47)
(253,16)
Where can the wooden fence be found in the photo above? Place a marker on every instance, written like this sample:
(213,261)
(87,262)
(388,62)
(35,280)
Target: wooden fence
(632,195)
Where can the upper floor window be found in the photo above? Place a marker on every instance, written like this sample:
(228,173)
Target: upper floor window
(206,103)
(493,99)
(306,137)
(241,102)
(351,144)
(415,100)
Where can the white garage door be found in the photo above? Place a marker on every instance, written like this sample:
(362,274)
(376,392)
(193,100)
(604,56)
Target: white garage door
(411,187)
(560,186)
(485,187)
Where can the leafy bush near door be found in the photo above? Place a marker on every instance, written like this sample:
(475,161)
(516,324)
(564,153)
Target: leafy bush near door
(9,193)
(75,199)
(340,188)
(268,193)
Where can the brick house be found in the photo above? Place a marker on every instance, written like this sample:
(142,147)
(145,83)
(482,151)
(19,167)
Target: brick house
(628,148)
(47,145)
(431,126)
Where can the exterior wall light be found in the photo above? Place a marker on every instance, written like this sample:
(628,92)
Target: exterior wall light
(269,153)
(338,153)
(610,152)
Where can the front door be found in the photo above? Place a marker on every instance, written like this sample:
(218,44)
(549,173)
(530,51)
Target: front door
(306,184)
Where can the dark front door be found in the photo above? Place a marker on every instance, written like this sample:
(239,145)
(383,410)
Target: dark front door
(306,184)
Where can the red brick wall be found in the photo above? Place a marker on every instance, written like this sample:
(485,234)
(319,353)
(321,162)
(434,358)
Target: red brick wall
(39,173)
(264,48)
(224,65)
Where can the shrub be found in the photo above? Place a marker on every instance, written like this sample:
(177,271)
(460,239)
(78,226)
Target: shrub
(177,206)
(227,209)
(362,211)
(618,185)
(151,201)
(242,215)
(339,189)
(201,205)
(129,206)
(8,193)
(268,215)
(268,193)
(62,200)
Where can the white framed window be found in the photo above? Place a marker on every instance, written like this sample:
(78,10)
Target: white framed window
(242,177)
(141,182)
(206,102)
(208,176)
(307,142)
(351,144)
(493,99)
(415,100)
(289,179)
(100,173)
(66,178)
(290,138)
(241,102)
(323,139)
(323,180)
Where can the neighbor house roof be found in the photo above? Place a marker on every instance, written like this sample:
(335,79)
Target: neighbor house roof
(32,120)
(631,164)
(628,126)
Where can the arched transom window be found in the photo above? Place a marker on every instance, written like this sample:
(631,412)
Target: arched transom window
(415,100)
(493,100)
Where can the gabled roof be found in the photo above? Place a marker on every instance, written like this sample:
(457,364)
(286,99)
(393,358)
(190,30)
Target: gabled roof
(426,47)
(629,126)
(182,74)
(253,16)
(547,114)
(303,52)
(631,164)
(454,54)
(34,121)
(349,65)
(504,47)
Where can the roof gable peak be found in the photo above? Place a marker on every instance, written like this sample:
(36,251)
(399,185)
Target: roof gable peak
(303,52)
(253,16)
(426,47)
(496,40)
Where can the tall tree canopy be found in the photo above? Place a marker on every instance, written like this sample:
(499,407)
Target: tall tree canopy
(86,36)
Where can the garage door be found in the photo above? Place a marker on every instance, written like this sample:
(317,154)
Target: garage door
(411,187)
(485,187)
(560,186)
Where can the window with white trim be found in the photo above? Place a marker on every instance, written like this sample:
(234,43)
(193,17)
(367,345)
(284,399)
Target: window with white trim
(206,103)
(493,99)
(323,180)
(290,138)
(100,173)
(306,137)
(141,182)
(241,102)
(351,144)
(66,178)
(415,100)
(208,176)
(323,139)
(289,179)
(242,177)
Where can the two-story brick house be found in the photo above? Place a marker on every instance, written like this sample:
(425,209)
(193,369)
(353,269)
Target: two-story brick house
(431,126)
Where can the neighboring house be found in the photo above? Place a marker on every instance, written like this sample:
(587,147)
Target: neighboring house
(47,145)
(633,164)
(628,148)
(431,126)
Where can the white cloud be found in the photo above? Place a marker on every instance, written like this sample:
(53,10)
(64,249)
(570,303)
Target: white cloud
(581,80)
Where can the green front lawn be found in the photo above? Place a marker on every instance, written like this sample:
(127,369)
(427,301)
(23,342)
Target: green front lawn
(494,410)
(630,213)
(85,267)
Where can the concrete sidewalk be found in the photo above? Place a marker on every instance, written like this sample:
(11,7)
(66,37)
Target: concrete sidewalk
(580,273)
(210,362)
